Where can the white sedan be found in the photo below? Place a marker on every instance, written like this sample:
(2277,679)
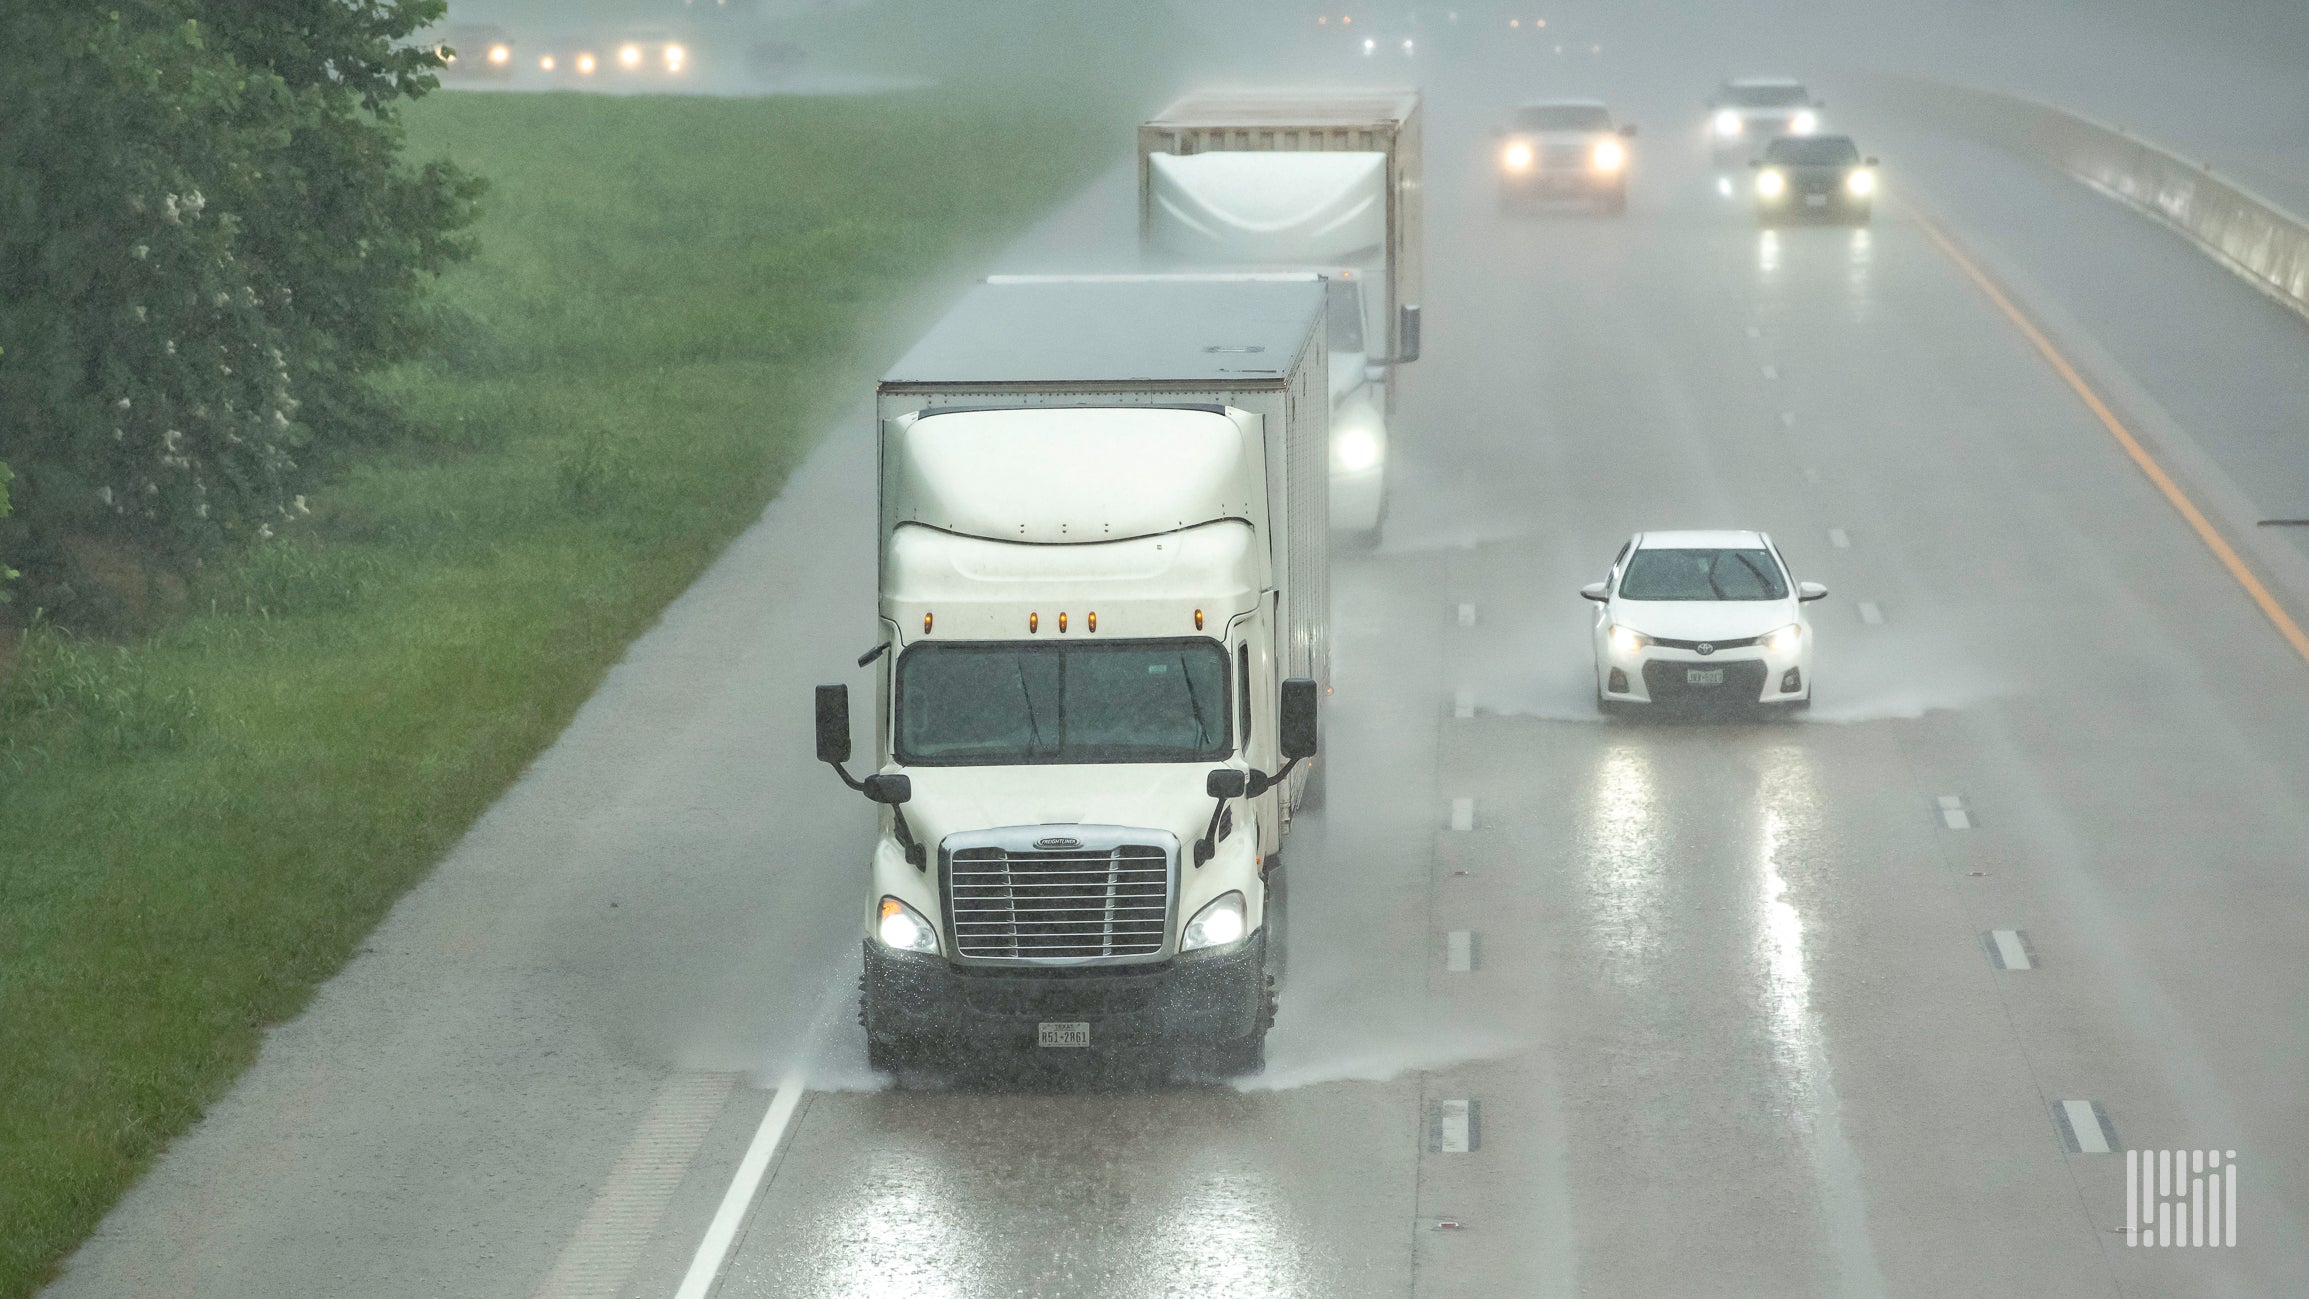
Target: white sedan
(1702,617)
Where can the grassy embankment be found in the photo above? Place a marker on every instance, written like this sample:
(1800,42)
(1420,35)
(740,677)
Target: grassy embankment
(673,299)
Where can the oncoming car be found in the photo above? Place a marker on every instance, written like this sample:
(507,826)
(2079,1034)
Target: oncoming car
(1824,178)
(1744,115)
(1564,149)
(1702,618)
(470,50)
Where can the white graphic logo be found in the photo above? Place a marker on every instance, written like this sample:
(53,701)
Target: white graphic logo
(2180,1197)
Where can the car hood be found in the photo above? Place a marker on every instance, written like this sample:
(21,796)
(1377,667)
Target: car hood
(1704,619)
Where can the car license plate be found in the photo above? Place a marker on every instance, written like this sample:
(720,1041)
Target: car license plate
(1696,677)
(1059,1034)
(1815,200)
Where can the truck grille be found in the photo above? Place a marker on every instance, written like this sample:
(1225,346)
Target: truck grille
(1071,905)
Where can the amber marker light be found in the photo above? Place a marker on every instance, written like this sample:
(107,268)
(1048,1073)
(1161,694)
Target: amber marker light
(925,624)
(1033,622)
(1090,621)
(1198,620)
(1062,622)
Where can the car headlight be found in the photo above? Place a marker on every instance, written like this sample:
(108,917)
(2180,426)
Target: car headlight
(903,928)
(586,64)
(1862,183)
(500,55)
(675,56)
(1727,123)
(629,56)
(1216,925)
(1609,155)
(1516,157)
(1804,122)
(1771,184)
(1355,449)
(1627,640)
(545,63)
(1785,639)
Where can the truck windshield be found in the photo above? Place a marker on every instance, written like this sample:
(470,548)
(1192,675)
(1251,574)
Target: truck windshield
(1003,703)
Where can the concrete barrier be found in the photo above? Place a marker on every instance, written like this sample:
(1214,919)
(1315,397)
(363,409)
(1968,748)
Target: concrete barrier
(2252,236)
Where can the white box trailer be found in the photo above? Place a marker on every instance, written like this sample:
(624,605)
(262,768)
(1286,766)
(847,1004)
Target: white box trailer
(1104,599)
(1322,182)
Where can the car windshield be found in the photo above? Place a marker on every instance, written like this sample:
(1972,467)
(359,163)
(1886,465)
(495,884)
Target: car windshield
(1346,316)
(1003,703)
(1774,96)
(1820,151)
(1563,117)
(1702,575)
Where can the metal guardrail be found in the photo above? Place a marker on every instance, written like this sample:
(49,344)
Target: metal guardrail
(2254,237)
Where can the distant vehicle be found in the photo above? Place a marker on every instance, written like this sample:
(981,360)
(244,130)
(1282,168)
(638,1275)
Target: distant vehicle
(472,51)
(1564,149)
(1821,178)
(1746,114)
(1702,618)
(655,53)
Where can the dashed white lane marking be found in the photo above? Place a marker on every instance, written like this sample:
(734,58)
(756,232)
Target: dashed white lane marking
(1754,332)
(1838,538)
(1467,615)
(626,1210)
(706,1267)
(1453,1127)
(1463,704)
(1463,814)
(2008,948)
(1771,372)
(1870,614)
(1953,813)
(2085,1128)
(1459,951)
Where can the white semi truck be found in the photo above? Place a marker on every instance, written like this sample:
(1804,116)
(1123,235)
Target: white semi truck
(1321,182)
(1103,643)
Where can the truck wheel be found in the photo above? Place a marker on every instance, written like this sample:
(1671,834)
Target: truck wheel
(887,1055)
(1238,1059)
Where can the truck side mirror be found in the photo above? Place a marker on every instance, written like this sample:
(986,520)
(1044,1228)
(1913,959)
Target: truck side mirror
(834,724)
(1224,782)
(1298,728)
(1407,327)
(893,790)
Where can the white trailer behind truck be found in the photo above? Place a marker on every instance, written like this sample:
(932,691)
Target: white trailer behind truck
(1321,182)
(1103,643)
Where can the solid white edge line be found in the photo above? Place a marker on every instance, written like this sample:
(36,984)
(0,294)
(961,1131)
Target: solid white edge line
(714,1250)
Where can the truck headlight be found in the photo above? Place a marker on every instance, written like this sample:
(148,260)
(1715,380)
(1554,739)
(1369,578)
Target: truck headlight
(1862,183)
(1356,449)
(1727,123)
(1771,184)
(1610,156)
(1627,640)
(903,928)
(1219,923)
(1785,639)
(1804,122)
(1516,157)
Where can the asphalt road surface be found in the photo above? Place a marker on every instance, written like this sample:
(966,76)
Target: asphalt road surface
(1730,1020)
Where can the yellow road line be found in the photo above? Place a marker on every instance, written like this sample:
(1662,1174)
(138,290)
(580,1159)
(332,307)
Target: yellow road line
(2212,538)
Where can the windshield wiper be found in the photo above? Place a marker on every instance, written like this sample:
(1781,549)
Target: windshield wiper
(1194,701)
(1033,727)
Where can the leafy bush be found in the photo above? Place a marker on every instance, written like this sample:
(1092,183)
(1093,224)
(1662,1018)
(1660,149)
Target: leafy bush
(88,697)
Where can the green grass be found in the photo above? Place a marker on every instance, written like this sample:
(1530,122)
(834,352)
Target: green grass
(674,297)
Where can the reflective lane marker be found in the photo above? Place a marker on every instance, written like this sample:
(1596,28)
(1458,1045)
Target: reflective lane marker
(714,1250)
(1870,614)
(2084,1128)
(1771,372)
(1454,1127)
(1838,539)
(1953,814)
(2171,490)
(626,1210)
(1459,951)
(2009,949)
(1467,615)
(1463,814)
(1463,704)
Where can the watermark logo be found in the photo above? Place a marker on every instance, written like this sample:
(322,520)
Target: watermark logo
(2180,1197)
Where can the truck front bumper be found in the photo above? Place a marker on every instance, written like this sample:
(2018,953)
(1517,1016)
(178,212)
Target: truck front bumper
(1196,998)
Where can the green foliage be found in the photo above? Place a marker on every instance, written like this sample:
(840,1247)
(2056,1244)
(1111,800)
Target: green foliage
(207,240)
(7,574)
(101,701)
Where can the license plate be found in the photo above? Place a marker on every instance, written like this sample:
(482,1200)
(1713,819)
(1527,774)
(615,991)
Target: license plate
(1057,1034)
(1693,677)
(1815,200)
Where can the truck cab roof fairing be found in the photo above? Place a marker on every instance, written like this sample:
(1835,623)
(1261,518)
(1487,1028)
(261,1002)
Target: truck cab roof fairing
(1280,208)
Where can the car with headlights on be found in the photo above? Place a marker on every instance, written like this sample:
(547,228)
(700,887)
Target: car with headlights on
(474,51)
(1746,114)
(1564,149)
(1699,618)
(1823,178)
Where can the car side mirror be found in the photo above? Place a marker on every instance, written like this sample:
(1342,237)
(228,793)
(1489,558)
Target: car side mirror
(1225,782)
(1298,725)
(834,724)
(1871,162)
(1755,163)
(893,790)
(1629,131)
(1407,334)
(1598,591)
(1809,591)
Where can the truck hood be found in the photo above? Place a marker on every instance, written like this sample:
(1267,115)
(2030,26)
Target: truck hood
(1157,796)
(1269,208)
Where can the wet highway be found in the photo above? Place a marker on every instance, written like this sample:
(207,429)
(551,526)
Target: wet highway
(1573,1005)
